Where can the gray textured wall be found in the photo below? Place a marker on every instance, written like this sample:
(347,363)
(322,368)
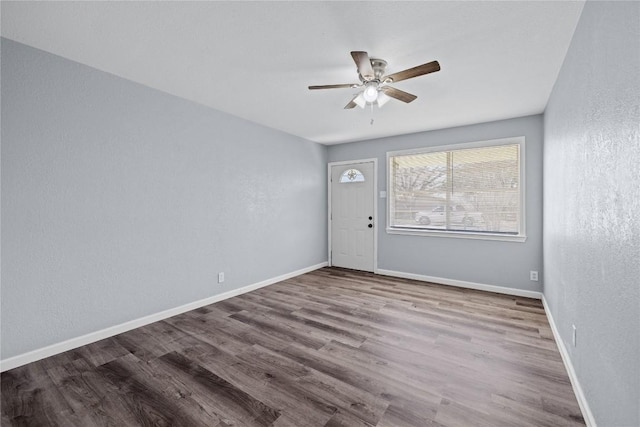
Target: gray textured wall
(592,208)
(119,201)
(489,262)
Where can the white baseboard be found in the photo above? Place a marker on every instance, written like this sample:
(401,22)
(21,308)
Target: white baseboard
(463,284)
(577,389)
(51,350)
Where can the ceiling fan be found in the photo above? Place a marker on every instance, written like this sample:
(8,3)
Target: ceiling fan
(374,85)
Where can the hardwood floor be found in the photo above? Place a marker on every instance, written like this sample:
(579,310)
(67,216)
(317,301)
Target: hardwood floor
(329,348)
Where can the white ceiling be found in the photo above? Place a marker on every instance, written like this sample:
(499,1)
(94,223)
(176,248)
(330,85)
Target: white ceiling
(255,59)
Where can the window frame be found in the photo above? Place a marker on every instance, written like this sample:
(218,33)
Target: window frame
(520,237)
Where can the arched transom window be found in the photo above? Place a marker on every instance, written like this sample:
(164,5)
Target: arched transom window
(351,175)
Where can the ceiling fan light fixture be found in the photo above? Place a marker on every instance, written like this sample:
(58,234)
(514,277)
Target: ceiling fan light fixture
(383,98)
(370,92)
(360,101)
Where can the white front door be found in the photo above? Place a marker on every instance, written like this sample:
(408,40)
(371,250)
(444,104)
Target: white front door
(353,215)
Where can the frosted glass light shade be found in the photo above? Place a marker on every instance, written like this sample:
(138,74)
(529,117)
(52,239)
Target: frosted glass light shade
(370,92)
(383,98)
(360,101)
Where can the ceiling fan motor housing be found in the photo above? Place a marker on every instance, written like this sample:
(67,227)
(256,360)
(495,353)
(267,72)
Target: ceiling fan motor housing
(378,65)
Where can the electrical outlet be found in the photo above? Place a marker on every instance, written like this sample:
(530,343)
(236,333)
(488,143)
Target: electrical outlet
(533,275)
(573,337)
(220,277)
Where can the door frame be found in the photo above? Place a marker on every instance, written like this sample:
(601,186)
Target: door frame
(375,206)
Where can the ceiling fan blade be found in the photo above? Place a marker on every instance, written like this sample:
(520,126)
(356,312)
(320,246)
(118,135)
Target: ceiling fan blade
(332,86)
(429,67)
(350,105)
(398,94)
(364,64)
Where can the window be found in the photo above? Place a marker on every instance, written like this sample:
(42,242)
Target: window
(351,175)
(465,190)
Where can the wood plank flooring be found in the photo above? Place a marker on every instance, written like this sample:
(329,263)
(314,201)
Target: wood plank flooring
(329,348)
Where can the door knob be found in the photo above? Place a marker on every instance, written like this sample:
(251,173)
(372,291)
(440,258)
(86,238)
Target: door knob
(370,218)
(370,225)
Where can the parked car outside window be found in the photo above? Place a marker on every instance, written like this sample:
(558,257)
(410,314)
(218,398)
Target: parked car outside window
(458,215)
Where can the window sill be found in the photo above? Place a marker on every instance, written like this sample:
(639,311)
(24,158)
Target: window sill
(457,234)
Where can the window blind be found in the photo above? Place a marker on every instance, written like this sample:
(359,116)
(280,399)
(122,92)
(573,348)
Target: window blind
(474,189)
